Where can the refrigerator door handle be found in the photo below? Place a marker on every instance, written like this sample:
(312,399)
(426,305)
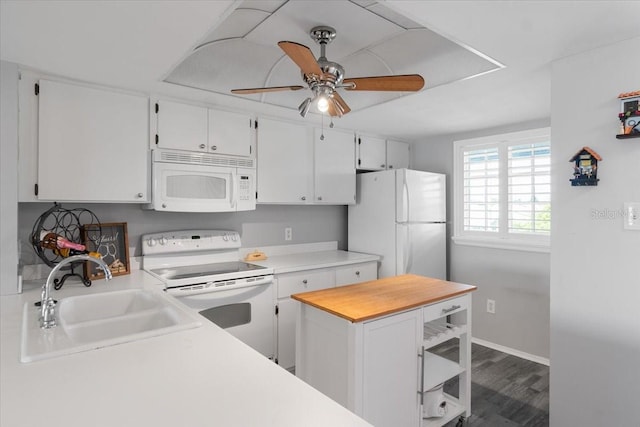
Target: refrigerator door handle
(409,252)
(405,202)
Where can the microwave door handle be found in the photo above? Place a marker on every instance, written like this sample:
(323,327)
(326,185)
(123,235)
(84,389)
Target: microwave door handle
(234,194)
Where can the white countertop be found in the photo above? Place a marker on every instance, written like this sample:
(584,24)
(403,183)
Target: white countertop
(195,377)
(288,263)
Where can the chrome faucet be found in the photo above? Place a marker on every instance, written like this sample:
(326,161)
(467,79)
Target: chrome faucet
(48,305)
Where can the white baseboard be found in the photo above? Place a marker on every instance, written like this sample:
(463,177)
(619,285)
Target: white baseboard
(512,351)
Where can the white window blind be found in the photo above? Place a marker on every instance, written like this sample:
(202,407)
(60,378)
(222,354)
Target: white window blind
(502,190)
(529,188)
(481,190)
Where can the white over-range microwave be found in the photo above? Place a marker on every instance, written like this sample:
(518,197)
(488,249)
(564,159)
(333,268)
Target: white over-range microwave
(201,182)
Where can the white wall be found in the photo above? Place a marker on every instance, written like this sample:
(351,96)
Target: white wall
(262,227)
(8,178)
(595,263)
(518,281)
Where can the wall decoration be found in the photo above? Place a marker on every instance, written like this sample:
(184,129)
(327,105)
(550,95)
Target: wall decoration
(585,169)
(111,241)
(56,235)
(629,115)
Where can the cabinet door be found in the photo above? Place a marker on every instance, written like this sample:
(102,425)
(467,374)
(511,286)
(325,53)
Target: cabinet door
(92,144)
(334,170)
(371,153)
(390,381)
(397,155)
(230,133)
(285,163)
(182,126)
(356,273)
(303,281)
(286,354)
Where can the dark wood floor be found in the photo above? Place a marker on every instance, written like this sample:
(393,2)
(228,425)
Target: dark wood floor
(505,390)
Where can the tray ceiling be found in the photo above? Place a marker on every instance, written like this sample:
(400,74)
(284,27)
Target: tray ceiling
(242,51)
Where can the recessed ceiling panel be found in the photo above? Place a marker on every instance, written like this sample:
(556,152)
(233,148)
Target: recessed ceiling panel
(356,27)
(225,65)
(436,58)
(371,40)
(237,25)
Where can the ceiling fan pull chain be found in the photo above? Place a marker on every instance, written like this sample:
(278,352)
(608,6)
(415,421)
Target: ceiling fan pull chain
(331,123)
(322,127)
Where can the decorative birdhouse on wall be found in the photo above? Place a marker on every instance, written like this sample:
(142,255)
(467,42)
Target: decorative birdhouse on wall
(585,169)
(629,115)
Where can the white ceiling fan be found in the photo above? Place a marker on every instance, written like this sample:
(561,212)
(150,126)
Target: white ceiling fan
(324,77)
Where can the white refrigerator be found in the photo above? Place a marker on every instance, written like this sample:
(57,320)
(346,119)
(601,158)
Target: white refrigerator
(401,216)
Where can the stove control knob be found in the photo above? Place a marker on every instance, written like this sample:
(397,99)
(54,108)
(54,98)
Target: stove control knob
(234,237)
(151,242)
(164,241)
(225,237)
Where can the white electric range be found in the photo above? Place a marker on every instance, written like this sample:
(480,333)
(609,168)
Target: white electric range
(202,268)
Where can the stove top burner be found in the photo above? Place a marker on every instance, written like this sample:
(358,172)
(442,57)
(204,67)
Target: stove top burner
(195,271)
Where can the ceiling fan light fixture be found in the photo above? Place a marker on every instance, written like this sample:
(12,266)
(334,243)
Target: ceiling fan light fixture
(304,107)
(323,103)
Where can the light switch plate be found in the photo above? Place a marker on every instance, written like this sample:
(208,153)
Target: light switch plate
(632,216)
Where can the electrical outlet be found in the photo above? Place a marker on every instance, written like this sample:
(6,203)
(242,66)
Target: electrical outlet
(491,306)
(288,233)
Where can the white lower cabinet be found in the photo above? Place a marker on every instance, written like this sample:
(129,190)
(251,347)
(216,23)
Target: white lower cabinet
(382,368)
(292,283)
(306,281)
(356,273)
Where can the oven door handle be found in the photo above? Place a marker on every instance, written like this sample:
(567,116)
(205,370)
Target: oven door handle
(205,292)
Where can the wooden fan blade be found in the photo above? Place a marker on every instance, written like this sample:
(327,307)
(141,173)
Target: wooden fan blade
(341,104)
(265,89)
(302,56)
(403,83)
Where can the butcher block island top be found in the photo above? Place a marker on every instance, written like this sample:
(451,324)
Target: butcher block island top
(369,300)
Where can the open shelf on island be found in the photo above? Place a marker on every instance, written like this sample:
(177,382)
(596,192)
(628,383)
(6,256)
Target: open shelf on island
(454,410)
(437,332)
(437,370)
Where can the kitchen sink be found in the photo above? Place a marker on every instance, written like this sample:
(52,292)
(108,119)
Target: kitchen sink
(89,322)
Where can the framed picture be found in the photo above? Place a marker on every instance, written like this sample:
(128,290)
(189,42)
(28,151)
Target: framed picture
(110,240)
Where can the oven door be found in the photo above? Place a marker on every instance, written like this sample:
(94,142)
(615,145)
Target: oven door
(247,313)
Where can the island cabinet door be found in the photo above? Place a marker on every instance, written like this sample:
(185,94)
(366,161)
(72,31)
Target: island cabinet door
(391,370)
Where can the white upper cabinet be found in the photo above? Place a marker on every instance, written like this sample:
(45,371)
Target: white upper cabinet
(230,133)
(397,154)
(194,128)
(334,170)
(181,126)
(92,144)
(285,163)
(371,153)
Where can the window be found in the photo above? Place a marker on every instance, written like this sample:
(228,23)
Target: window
(502,193)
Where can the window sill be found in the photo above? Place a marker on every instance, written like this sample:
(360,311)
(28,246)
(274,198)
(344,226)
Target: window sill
(497,243)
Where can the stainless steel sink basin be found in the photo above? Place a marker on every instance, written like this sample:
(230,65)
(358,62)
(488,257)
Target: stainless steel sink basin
(89,322)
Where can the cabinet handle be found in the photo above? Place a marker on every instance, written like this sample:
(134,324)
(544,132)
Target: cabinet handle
(421,391)
(382,165)
(357,273)
(453,308)
(214,147)
(319,197)
(390,166)
(303,198)
(304,281)
(202,146)
(139,195)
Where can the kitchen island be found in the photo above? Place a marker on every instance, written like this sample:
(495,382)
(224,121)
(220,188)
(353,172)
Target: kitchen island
(365,346)
(195,377)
